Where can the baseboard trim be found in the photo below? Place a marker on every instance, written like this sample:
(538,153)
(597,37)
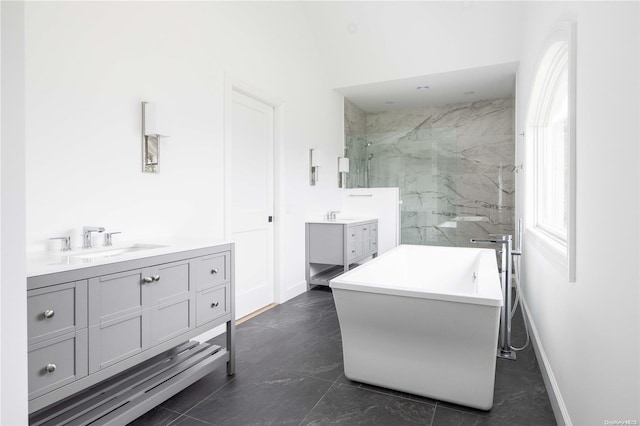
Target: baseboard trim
(293,291)
(254,314)
(553,390)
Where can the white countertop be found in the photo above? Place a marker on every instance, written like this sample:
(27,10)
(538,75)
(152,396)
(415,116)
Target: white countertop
(47,262)
(341,221)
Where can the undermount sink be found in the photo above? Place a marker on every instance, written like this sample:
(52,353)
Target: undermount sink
(112,251)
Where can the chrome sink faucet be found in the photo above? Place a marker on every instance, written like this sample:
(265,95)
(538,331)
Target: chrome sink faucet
(86,235)
(331,215)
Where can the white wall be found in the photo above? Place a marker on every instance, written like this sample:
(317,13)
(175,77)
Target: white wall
(13,303)
(590,330)
(365,42)
(90,64)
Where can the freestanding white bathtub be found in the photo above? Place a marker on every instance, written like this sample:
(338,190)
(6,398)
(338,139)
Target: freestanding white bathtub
(423,320)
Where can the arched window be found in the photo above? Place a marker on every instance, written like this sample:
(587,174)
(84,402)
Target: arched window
(551,136)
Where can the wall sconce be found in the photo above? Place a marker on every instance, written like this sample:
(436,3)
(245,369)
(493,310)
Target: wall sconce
(151,134)
(314,162)
(343,169)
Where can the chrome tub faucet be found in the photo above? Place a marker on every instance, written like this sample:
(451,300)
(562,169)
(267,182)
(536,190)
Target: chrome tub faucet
(504,242)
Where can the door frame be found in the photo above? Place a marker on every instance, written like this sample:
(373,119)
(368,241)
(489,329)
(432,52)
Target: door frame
(232,84)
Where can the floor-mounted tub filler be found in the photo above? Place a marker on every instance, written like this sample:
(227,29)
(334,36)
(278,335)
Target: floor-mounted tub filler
(423,320)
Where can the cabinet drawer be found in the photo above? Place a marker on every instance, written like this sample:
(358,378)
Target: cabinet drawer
(211,304)
(212,270)
(365,231)
(57,362)
(352,233)
(56,310)
(352,251)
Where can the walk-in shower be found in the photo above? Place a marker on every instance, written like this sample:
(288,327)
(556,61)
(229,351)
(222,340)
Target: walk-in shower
(454,165)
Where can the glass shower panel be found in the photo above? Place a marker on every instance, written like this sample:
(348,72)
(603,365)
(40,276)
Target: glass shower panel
(454,165)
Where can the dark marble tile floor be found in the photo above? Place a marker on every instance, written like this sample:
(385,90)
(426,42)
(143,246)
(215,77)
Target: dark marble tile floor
(289,372)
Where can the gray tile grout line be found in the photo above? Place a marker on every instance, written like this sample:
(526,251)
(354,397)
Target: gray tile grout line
(169,410)
(205,398)
(184,415)
(316,404)
(311,377)
(433,416)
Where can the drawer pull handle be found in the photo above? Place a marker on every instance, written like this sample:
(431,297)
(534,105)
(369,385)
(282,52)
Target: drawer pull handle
(353,235)
(353,251)
(156,277)
(214,304)
(147,280)
(49,313)
(214,271)
(364,229)
(50,368)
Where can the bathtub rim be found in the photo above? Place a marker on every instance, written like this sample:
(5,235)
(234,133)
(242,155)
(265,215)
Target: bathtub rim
(491,296)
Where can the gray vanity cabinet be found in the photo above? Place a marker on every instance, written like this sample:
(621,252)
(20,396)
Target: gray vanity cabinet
(87,325)
(333,247)
(134,310)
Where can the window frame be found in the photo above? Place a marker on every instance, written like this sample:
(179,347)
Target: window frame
(556,243)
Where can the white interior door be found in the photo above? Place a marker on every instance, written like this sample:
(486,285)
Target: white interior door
(250,201)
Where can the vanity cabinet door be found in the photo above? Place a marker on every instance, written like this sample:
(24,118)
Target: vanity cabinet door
(172,297)
(374,238)
(326,243)
(366,238)
(118,323)
(354,242)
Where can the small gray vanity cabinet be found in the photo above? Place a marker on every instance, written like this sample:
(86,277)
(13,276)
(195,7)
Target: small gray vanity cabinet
(88,324)
(334,247)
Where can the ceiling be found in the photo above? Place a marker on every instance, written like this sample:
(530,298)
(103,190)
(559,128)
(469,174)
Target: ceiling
(469,85)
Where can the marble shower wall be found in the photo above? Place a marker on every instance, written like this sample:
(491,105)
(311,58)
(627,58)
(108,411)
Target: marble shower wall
(355,127)
(454,165)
